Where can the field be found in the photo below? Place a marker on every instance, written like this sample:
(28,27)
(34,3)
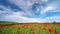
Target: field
(30,28)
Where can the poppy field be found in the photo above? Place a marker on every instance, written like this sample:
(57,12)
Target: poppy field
(30,28)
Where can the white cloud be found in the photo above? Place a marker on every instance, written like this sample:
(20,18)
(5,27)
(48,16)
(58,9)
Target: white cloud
(20,16)
(10,15)
(51,7)
(44,0)
(5,10)
(47,9)
(53,18)
(16,16)
(26,5)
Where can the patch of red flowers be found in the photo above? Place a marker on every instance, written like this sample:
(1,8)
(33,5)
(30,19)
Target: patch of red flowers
(2,26)
(25,25)
(50,30)
(32,30)
(45,25)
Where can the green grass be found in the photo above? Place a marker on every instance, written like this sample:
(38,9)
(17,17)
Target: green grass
(29,28)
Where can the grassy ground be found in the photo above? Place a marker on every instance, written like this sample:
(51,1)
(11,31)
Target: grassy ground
(32,28)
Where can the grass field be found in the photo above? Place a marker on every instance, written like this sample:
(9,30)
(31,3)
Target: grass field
(30,28)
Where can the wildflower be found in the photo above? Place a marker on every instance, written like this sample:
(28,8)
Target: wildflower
(44,28)
(50,30)
(32,29)
(32,32)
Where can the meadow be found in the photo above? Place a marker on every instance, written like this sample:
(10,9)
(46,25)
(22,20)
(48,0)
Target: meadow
(30,28)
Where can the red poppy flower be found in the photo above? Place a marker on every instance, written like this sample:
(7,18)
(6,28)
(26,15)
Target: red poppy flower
(32,32)
(50,30)
(44,28)
(32,29)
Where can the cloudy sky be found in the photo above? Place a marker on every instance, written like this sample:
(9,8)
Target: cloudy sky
(30,10)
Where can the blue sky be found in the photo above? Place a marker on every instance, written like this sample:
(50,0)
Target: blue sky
(30,10)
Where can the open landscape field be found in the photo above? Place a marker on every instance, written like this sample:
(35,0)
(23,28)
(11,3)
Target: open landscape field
(30,28)
(29,16)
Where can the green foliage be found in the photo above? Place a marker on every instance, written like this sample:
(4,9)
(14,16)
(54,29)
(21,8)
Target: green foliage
(26,29)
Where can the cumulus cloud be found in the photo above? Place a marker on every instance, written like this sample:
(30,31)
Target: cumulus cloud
(26,5)
(17,16)
(53,18)
(8,14)
(47,9)
(14,16)
(51,7)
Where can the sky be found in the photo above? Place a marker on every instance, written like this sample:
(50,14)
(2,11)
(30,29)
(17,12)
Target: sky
(30,10)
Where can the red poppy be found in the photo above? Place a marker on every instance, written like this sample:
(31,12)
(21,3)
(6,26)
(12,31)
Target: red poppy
(50,30)
(44,28)
(32,29)
(32,32)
